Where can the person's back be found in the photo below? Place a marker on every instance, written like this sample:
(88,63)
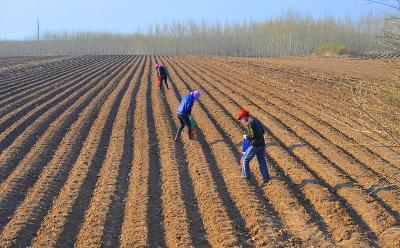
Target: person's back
(185,108)
(256,129)
(184,114)
(162,75)
(162,71)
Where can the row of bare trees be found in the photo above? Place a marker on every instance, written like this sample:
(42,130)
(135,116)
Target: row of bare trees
(291,34)
(392,24)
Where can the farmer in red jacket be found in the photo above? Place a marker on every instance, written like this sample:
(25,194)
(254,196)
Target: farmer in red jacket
(255,134)
(162,75)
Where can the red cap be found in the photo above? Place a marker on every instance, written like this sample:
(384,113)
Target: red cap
(243,113)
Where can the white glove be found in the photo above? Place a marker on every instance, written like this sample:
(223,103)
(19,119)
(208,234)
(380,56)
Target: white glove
(244,136)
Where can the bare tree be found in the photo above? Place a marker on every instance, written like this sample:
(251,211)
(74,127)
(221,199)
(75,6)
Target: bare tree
(289,35)
(392,24)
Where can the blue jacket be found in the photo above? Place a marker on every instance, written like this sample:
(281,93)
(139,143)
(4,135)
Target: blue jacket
(185,108)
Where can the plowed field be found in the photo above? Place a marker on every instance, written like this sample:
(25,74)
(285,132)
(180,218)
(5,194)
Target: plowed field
(88,157)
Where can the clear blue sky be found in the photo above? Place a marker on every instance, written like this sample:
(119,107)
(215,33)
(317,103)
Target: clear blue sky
(18,17)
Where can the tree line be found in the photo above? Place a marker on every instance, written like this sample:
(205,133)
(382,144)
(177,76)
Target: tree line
(289,35)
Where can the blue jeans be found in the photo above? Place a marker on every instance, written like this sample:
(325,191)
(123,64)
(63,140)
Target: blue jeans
(262,163)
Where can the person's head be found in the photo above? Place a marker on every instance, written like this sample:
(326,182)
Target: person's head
(157,66)
(196,95)
(244,115)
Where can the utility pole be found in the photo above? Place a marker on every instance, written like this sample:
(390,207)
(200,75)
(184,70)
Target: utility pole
(38,29)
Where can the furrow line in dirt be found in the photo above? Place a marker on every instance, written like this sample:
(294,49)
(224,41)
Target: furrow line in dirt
(34,75)
(19,141)
(38,71)
(14,188)
(28,64)
(338,81)
(28,106)
(115,216)
(332,105)
(93,228)
(333,211)
(182,221)
(351,167)
(338,140)
(76,219)
(24,105)
(374,215)
(156,231)
(204,169)
(17,97)
(143,202)
(14,106)
(286,203)
(344,135)
(348,127)
(17,86)
(61,224)
(27,218)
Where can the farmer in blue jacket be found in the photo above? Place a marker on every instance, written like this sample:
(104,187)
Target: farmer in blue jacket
(255,135)
(184,113)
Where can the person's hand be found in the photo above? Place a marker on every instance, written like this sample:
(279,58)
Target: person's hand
(245,136)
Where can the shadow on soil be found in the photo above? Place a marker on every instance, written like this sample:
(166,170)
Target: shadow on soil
(196,228)
(115,216)
(74,222)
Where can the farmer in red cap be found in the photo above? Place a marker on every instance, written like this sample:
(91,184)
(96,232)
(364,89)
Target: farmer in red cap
(255,134)
(162,75)
(185,113)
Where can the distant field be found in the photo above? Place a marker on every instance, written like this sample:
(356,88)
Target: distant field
(87,155)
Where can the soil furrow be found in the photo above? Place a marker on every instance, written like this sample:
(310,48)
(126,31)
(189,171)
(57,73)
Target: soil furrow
(16,98)
(60,226)
(17,86)
(93,228)
(372,213)
(27,219)
(136,229)
(363,160)
(29,132)
(351,167)
(35,75)
(341,228)
(341,123)
(43,77)
(114,219)
(182,220)
(289,207)
(24,105)
(37,70)
(17,107)
(13,190)
(264,225)
(88,156)
(155,207)
(86,194)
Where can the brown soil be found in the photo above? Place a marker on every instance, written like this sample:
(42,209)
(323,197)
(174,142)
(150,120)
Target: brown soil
(88,156)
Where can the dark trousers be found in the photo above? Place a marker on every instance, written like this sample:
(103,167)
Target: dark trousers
(164,79)
(185,121)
